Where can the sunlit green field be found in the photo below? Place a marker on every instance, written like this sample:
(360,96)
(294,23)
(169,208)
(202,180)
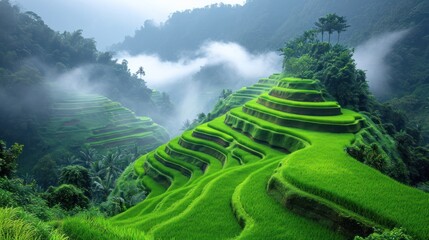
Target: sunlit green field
(255,174)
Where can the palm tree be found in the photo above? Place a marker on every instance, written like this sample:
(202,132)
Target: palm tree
(340,26)
(101,187)
(87,156)
(321,26)
(111,163)
(96,168)
(141,72)
(331,21)
(69,160)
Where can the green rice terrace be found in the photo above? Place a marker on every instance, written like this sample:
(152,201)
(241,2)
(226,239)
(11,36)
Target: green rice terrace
(274,168)
(244,94)
(97,122)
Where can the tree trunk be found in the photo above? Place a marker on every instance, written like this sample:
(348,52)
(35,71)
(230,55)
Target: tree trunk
(338,39)
(322,35)
(329,39)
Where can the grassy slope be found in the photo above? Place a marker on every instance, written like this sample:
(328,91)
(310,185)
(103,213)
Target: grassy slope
(90,120)
(251,178)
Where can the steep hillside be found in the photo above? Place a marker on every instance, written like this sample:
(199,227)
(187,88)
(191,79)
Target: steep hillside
(265,25)
(243,95)
(260,25)
(275,167)
(83,120)
(33,58)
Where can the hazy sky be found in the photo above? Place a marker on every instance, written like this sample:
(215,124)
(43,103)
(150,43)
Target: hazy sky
(108,21)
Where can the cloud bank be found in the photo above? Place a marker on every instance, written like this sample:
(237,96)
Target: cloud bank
(195,81)
(371,57)
(160,73)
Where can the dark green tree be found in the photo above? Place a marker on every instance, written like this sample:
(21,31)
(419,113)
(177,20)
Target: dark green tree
(46,172)
(394,234)
(112,164)
(67,196)
(77,176)
(331,22)
(302,67)
(8,157)
(87,156)
(340,26)
(321,26)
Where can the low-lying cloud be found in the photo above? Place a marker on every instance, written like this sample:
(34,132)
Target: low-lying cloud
(195,81)
(160,73)
(371,57)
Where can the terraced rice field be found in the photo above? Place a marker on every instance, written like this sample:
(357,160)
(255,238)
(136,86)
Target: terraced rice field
(274,168)
(245,94)
(94,121)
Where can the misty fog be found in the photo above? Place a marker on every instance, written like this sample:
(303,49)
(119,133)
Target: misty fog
(195,81)
(371,56)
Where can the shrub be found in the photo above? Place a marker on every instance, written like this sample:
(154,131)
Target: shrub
(394,234)
(8,157)
(77,176)
(67,197)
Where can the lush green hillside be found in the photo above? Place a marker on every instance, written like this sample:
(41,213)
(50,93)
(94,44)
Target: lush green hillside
(260,25)
(242,96)
(86,121)
(275,167)
(265,25)
(99,123)
(33,58)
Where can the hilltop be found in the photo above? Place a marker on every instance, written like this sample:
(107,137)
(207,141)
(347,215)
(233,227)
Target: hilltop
(275,167)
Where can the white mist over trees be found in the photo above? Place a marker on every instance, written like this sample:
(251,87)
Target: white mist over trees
(371,57)
(197,78)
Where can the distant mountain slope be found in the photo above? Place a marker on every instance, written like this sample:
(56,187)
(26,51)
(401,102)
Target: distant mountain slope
(80,121)
(274,168)
(265,25)
(33,58)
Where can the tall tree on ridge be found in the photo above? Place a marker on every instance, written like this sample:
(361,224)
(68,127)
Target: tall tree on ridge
(321,26)
(141,72)
(340,26)
(331,21)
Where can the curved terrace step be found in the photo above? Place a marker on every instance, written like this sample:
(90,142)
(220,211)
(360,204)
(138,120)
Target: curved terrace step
(297,94)
(301,108)
(185,168)
(297,83)
(348,121)
(318,180)
(264,132)
(173,176)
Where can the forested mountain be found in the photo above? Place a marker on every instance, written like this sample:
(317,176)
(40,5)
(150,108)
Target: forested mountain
(56,92)
(34,59)
(265,25)
(260,25)
(68,104)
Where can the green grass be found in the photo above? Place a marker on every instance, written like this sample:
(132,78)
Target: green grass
(337,177)
(15,224)
(84,228)
(83,120)
(264,217)
(248,175)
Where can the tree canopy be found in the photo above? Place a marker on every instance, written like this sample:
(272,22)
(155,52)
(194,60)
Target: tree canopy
(332,23)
